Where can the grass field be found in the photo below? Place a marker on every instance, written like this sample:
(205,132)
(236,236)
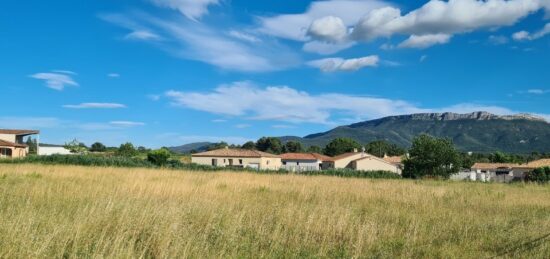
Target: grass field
(70,211)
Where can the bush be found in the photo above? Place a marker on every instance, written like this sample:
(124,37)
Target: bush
(539,175)
(159,157)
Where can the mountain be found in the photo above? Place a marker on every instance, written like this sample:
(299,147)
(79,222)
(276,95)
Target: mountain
(187,148)
(477,131)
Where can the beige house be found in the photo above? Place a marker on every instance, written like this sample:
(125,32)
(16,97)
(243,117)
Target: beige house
(361,161)
(11,142)
(242,158)
(500,172)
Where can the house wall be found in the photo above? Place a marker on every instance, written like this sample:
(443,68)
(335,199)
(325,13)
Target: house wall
(301,165)
(346,162)
(263,163)
(46,151)
(8,137)
(372,164)
(17,152)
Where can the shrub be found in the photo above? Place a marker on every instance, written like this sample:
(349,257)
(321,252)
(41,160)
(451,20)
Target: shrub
(127,150)
(540,175)
(159,157)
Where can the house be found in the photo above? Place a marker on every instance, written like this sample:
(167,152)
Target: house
(240,158)
(12,144)
(361,161)
(303,161)
(539,163)
(498,172)
(47,150)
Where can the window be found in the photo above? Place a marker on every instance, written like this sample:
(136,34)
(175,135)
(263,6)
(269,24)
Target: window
(268,162)
(240,161)
(284,163)
(297,163)
(230,162)
(214,162)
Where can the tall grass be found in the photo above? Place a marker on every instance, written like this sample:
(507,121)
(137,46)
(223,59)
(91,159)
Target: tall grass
(134,162)
(52,211)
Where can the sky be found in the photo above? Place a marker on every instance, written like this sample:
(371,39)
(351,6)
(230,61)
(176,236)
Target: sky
(169,72)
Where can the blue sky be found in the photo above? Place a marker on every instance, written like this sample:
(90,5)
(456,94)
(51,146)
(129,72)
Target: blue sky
(169,72)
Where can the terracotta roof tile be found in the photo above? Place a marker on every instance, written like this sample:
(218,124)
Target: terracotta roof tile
(394,159)
(338,157)
(5,143)
(230,152)
(19,132)
(539,163)
(486,166)
(305,156)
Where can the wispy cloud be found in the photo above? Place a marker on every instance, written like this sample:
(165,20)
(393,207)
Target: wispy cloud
(525,35)
(282,103)
(340,64)
(56,80)
(113,75)
(192,9)
(20,122)
(95,106)
(235,51)
(126,124)
(538,91)
(143,35)
(243,126)
(424,41)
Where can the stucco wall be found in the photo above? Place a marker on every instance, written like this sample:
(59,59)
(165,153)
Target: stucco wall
(346,162)
(301,165)
(8,137)
(255,162)
(17,152)
(372,164)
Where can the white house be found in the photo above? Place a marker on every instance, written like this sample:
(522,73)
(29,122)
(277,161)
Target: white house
(47,150)
(297,162)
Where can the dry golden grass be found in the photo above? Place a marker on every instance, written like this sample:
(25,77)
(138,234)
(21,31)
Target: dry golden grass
(70,211)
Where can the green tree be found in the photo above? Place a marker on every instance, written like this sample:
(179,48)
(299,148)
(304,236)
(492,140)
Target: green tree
(340,146)
(250,145)
(127,150)
(380,148)
(159,157)
(269,144)
(98,147)
(76,146)
(33,145)
(314,149)
(429,156)
(219,145)
(293,147)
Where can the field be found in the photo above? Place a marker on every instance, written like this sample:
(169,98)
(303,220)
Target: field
(70,211)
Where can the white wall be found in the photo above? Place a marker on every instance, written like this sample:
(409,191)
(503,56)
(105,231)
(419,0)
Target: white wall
(46,151)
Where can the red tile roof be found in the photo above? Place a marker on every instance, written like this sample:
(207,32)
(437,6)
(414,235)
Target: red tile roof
(228,152)
(305,156)
(4,143)
(19,132)
(394,159)
(487,166)
(338,157)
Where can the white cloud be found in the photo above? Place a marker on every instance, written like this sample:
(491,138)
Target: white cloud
(142,35)
(68,72)
(282,103)
(525,35)
(340,64)
(171,137)
(56,81)
(538,91)
(192,9)
(95,106)
(424,41)
(244,36)
(295,26)
(283,126)
(219,120)
(196,41)
(113,75)
(440,17)
(326,48)
(328,28)
(126,124)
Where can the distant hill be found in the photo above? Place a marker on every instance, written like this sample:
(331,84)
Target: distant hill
(477,132)
(198,146)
